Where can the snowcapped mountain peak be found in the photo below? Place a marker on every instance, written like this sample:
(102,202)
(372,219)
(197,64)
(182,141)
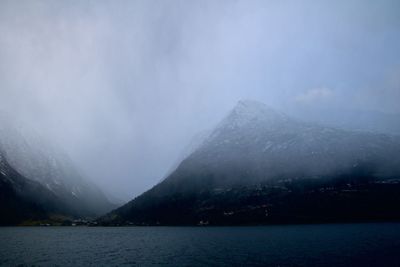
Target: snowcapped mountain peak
(258,138)
(248,121)
(251,107)
(249,103)
(250,112)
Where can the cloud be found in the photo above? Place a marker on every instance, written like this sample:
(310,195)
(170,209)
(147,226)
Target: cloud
(315,96)
(124,85)
(382,95)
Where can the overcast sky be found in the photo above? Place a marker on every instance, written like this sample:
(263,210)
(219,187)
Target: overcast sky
(123,86)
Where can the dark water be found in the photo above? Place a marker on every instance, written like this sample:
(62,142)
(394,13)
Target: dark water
(292,245)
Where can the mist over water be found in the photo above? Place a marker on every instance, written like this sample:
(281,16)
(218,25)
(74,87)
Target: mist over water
(123,86)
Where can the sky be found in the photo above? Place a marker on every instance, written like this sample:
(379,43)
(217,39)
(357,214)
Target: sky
(123,86)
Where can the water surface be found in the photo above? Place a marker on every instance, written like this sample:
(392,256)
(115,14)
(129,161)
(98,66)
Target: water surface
(291,245)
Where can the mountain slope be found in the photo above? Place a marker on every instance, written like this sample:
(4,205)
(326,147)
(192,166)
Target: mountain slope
(22,199)
(37,160)
(268,167)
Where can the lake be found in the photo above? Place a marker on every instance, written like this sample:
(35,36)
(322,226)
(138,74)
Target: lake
(370,244)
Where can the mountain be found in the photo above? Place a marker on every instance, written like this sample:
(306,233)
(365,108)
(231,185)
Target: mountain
(35,161)
(24,200)
(262,166)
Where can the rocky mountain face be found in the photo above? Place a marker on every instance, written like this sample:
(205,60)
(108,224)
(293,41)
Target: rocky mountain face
(37,162)
(261,166)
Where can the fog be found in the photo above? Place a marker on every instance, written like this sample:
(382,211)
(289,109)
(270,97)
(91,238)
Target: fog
(123,86)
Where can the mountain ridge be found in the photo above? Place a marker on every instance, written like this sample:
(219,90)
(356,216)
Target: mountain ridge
(256,154)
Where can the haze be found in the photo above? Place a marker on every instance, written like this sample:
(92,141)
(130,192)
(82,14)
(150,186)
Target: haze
(123,86)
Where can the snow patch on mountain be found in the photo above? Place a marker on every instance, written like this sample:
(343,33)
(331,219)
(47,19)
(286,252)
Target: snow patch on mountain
(36,159)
